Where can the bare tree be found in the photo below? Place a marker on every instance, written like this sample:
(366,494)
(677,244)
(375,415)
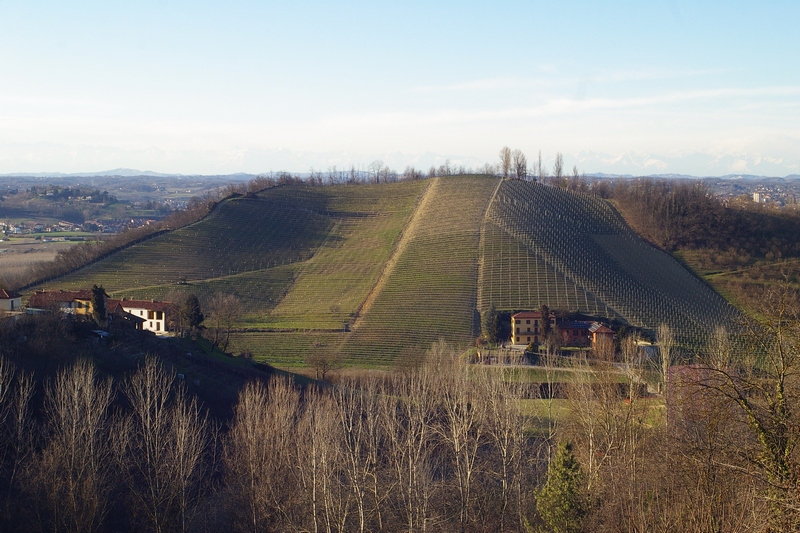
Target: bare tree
(756,374)
(558,167)
(666,345)
(73,470)
(167,440)
(357,415)
(260,448)
(223,311)
(520,164)
(411,173)
(505,161)
(407,418)
(248,457)
(16,434)
(326,498)
(375,169)
(541,172)
(189,438)
(462,423)
(504,425)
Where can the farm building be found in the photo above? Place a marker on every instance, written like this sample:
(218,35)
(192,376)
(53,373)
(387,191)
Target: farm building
(149,314)
(574,333)
(526,327)
(152,313)
(71,302)
(10,300)
(600,333)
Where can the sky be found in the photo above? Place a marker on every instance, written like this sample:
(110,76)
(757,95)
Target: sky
(196,87)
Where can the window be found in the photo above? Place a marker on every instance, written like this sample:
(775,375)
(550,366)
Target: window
(527,321)
(529,330)
(529,339)
(517,330)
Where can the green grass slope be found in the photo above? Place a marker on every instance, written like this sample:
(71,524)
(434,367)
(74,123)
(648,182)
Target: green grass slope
(430,289)
(330,287)
(375,274)
(543,245)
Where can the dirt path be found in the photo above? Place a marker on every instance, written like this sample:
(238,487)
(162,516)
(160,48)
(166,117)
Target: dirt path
(402,244)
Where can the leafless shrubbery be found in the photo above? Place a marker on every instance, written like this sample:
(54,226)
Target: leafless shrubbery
(443,446)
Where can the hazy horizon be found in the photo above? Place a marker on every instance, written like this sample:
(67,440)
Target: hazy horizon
(618,87)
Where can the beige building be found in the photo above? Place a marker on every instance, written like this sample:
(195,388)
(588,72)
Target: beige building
(527,327)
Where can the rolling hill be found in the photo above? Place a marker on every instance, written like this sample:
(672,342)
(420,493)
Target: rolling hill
(376,273)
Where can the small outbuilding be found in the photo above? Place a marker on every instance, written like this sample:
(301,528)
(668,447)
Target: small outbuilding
(10,300)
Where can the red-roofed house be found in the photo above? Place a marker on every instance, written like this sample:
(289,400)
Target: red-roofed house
(72,302)
(601,333)
(152,312)
(10,300)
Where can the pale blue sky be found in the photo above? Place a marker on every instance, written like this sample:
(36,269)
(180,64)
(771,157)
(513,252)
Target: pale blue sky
(212,87)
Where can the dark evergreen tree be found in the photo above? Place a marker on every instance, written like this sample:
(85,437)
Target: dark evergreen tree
(545,320)
(99,304)
(490,325)
(561,502)
(191,314)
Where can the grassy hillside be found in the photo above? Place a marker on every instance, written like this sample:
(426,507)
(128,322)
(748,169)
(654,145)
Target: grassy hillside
(373,274)
(430,289)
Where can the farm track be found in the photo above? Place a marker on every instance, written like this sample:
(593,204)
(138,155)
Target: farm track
(405,238)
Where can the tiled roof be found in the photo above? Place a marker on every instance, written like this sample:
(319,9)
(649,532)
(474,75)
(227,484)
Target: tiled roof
(597,327)
(527,314)
(44,299)
(574,325)
(150,305)
(8,295)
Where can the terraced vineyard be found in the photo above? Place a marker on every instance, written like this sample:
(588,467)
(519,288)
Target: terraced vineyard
(571,251)
(314,252)
(431,290)
(376,273)
(241,236)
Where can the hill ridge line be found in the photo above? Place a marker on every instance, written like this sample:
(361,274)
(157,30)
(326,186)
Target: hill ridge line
(406,237)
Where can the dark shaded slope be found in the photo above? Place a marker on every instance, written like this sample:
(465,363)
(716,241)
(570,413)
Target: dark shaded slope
(585,245)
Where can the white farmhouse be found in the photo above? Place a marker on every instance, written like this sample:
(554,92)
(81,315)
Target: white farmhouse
(10,300)
(153,313)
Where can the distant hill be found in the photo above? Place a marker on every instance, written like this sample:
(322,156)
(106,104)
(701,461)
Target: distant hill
(376,273)
(122,172)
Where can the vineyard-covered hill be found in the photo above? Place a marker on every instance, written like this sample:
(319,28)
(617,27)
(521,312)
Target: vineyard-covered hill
(569,250)
(376,273)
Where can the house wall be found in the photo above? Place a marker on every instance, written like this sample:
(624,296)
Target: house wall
(13,304)
(154,320)
(525,330)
